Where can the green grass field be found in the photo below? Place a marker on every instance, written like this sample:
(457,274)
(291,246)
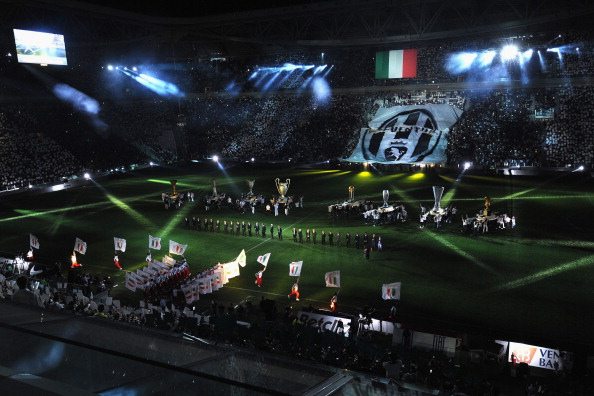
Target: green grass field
(530,283)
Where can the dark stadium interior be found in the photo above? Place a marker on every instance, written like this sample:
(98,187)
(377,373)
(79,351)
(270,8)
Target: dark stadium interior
(429,162)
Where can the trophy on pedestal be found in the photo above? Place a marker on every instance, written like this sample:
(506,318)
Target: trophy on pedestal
(282,188)
(351,193)
(487,206)
(386,196)
(251,186)
(173,187)
(437,194)
(214,188)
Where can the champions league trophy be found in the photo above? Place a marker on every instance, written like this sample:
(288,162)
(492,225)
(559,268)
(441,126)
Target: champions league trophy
(437,194)
(385,196)
(282,189)
(351,193)
(251,186)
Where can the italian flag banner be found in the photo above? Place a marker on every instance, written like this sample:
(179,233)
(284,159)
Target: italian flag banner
(391,291)
(396,64)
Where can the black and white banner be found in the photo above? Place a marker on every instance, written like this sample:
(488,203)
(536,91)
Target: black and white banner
(411,134)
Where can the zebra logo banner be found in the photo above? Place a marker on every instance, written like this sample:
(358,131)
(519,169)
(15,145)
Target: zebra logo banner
(407,134)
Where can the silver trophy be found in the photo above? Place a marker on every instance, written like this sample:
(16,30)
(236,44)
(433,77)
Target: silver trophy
(282,188)
(251,186)
(214,188)
(437,194)
(351,193)
(386,196)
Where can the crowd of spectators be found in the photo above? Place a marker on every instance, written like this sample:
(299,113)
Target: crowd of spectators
(29,157)
(497,128)
(45,140)
(265,326)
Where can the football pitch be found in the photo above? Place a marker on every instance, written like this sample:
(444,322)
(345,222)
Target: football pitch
(530,283)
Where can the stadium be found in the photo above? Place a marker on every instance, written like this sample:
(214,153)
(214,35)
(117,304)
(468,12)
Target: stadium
(307,197)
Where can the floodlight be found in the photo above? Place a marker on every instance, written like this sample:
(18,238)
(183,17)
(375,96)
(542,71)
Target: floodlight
(580,168)
(253,159)
(486,58)
(110,67)
(151,163)
(508,52)
(527,54)
(467,165)
(215,158)
(134,68)
(87,176)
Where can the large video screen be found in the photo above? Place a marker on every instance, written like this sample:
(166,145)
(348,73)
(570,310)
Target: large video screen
(40,48)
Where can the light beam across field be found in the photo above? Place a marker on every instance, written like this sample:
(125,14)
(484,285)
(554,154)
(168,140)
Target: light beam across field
(167,182)
(55,220)
(140,219)
(175,220)
(559,269)
(459,251)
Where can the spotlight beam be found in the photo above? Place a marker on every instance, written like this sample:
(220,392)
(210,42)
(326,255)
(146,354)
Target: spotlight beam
(544,274)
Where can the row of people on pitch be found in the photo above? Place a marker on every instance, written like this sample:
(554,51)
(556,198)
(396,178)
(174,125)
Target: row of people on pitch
(234,227)
(373,242)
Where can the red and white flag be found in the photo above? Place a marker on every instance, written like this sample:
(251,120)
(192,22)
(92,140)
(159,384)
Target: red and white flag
(263,259)
(190,292)
(295,268)
(177,248)
(130,282)
(332,279)
(154,243)
(33,241)
(391,291)
(80,246)
(205,285)
(119,244)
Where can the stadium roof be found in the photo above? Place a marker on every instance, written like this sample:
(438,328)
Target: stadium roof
(245,28)
(193,8)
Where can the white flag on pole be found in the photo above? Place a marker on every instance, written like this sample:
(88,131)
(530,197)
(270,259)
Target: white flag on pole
(241,260)
(177,248)
(332,279)
(33,241)
(119,244)
(231,269)
(391,291)
(295,268)
(263,259)
(80,246)
(154,243)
